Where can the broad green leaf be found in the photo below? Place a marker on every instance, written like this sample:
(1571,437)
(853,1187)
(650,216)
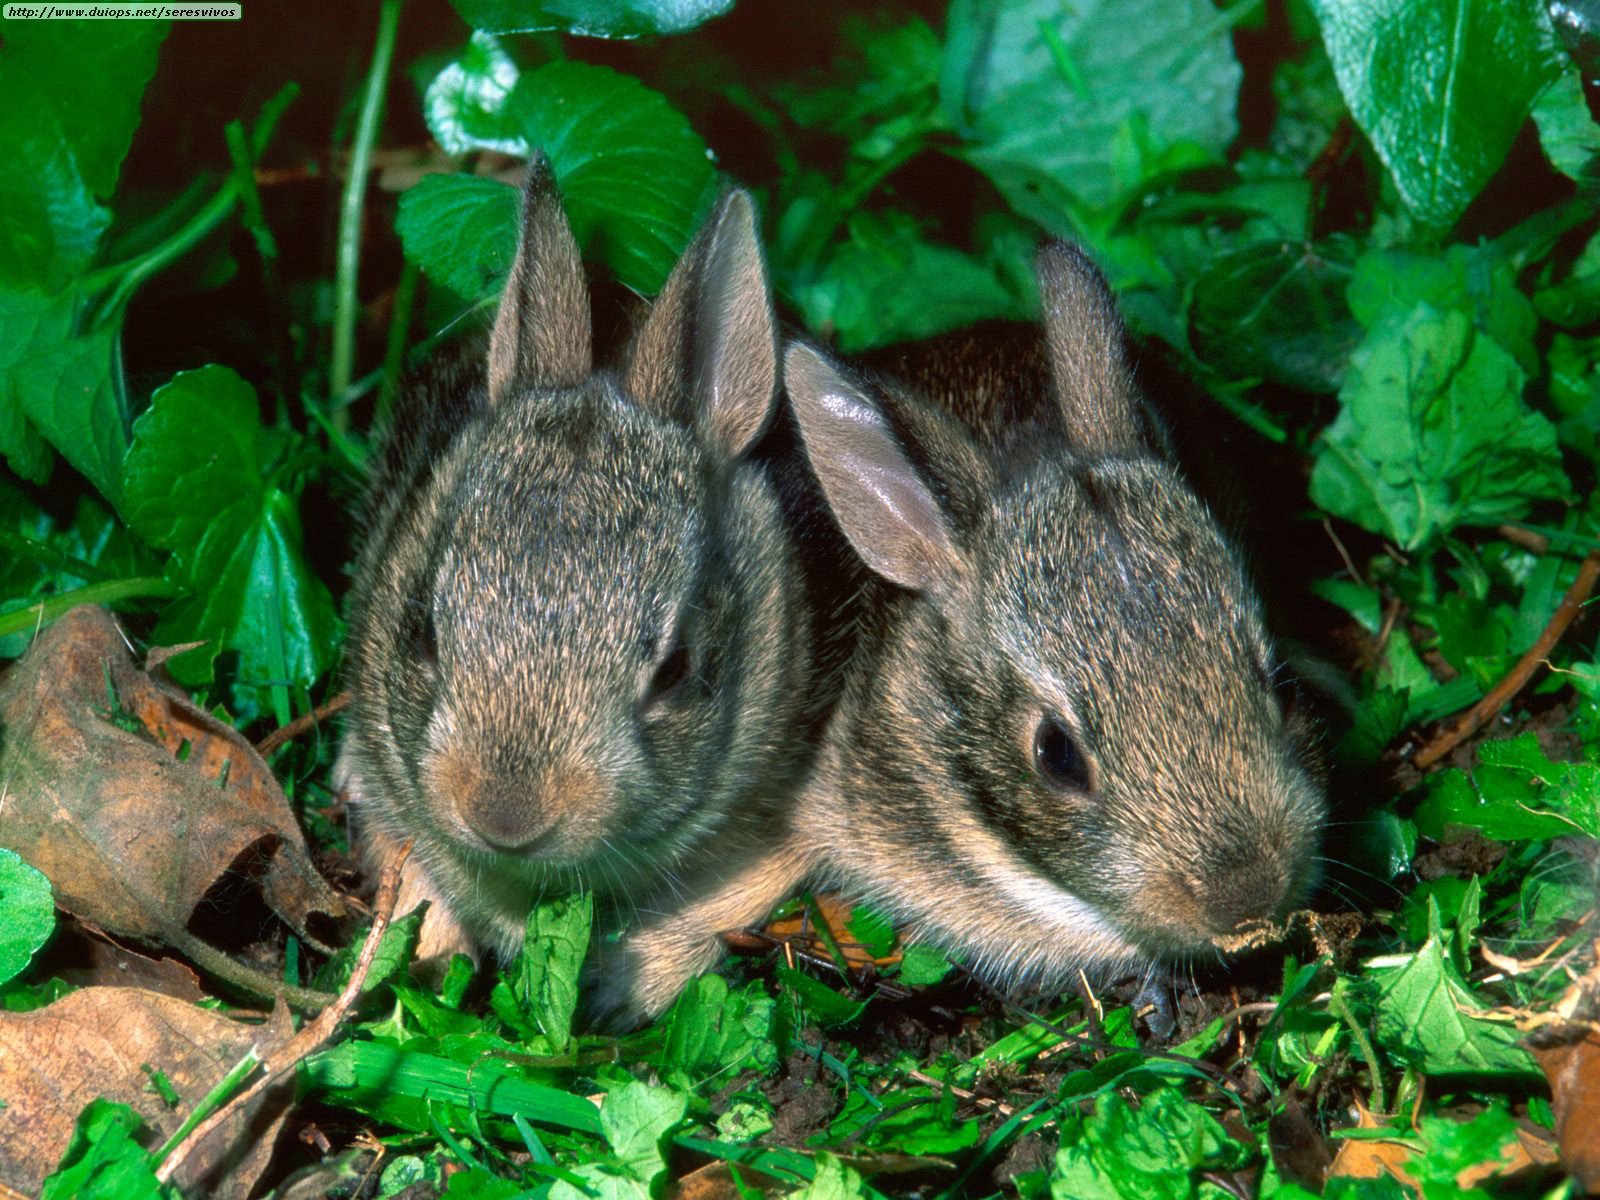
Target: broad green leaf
(64,381)
(922,965)
(1157,1150)
(590,18)
(1277,311)
(104,1161)
(824,1005)
(1515,793)
(887,283)
(834,1180)
(1440,87)
(545,976)
(638,1119)
(27,913)
(914,1120)
(461,231)
(1567,132)
(1429,1019)
(715,1030)
(1433,433)
(634,176)
(197,484)
(465,103)
(1454,1147)
(871,929)
(1087,102)
(72,92)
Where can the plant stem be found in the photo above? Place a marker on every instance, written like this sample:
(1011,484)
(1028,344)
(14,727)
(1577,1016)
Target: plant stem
(111,591)
(355,188)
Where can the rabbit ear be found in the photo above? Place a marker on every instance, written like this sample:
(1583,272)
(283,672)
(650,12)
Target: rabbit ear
(711,333)
(541,335)
(889,514)
(1083,335)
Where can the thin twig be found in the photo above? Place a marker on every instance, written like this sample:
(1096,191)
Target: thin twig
(315,1034)
(1349,563)
(303,723)
(1514,681)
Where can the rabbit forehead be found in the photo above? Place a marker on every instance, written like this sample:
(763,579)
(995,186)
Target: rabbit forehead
(1115,571)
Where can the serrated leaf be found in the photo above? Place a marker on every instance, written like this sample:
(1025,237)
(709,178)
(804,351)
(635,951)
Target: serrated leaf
(590,18)
(545,976)
(1429,1018)
(888,283)
(1432,433)
(27,914)
(1087,100)
(1119,1152)
(72,94)
(634,176)
(637,1120)
(465,104)
(461,231)
(196,485)
(1440,87)
(715,1030)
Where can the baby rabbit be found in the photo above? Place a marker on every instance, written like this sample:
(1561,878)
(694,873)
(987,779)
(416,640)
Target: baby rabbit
(579,643)
(1059,745)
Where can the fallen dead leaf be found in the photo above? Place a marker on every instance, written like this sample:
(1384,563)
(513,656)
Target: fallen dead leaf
(100,1042)
(131,799)
(800,931)
(1373,1159)
(1572,1065)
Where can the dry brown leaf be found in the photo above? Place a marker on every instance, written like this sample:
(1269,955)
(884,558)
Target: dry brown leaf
(800,930)
(96,795)
(97,1042)
(1572,1066)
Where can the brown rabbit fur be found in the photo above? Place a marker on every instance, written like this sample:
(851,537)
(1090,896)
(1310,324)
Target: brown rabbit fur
(1060,747)
(579,640)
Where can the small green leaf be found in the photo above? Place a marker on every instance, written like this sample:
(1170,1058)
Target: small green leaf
(634,176)
(197,483)
(1433,433)
(461,231)
(833,1181)
(545,977)
(922,965)
(871,929)
(715,1030)
(638,1120)
(1440,87)
(1429,1018)
(824,1005)
(1569,135)
(27,914)
(590,18)
(465,103)
(104,1161)
(1159,1149)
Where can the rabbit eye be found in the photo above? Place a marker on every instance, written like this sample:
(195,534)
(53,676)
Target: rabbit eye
(1056,756)
(669,676)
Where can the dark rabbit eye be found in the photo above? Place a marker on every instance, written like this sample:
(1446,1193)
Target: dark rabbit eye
(670,674)
(424,635)
(1056,756)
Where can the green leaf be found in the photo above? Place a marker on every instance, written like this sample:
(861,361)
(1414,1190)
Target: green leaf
(590,18)
(1567,132)
(871,929)
(72,92)
(465,104)
(545,977)
(461,231)
(1515,793)
(395,949)
(887,283)
(715,1030)
(638,1120)
(27,914)
(634,176)
(104,1161)
(1440,87)
(1433,434)
(1088,101)
(1429,1018)
(197,483)
(1452,1147)
(1157,1150)
(63,381)
(415,1086)
(1277,311)
(833,1181)
(824,1005)
(922,965)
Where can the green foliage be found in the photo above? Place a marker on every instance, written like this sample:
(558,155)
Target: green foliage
(27,907)
(1391,312)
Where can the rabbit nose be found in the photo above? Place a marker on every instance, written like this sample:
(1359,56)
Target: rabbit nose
(507,817)
(1241,896)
